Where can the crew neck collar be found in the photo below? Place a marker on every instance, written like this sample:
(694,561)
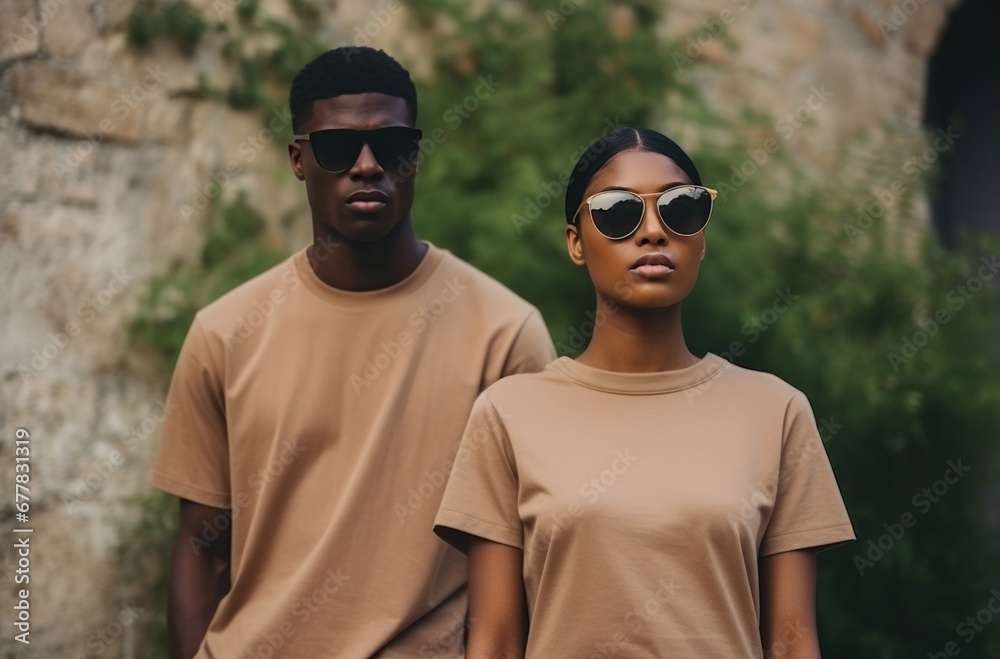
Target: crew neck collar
(361,299)
(660,382)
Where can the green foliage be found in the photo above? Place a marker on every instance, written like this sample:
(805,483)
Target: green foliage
(177,19)
(265,54)
(234,251)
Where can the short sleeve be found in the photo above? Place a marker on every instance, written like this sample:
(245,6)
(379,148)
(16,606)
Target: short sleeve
(192,461)
(532,349)
(809,510)
(481,496)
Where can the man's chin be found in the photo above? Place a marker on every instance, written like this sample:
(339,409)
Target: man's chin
(367,229)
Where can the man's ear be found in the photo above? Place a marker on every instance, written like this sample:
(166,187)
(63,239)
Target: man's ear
(295,158)
(574,245)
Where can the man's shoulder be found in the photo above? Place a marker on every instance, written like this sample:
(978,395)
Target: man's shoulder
(495,297)
(261,294)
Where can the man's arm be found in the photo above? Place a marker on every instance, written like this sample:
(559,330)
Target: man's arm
(497,610)
(788,605)
(199,575)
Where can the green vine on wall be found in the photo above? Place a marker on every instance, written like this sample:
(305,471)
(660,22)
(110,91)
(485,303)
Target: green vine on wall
(262,72)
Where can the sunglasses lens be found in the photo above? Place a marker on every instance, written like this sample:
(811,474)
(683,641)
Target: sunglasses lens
(685,210)
(395,147)
(338,149)
(616,214)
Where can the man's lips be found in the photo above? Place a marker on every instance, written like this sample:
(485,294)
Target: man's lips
(367,201)
(652,266)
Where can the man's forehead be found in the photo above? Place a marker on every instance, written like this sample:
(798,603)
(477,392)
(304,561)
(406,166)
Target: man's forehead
(359,111)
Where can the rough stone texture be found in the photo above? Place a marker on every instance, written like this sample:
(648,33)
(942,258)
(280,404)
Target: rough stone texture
(19,36)
(74,215)
(52,96)
(70,30)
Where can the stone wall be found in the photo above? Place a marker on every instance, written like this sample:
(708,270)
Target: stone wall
(102,146)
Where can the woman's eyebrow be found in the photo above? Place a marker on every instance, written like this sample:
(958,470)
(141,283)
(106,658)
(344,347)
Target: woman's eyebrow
(663,189)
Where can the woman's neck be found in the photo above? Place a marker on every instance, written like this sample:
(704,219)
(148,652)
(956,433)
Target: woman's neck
(632,340)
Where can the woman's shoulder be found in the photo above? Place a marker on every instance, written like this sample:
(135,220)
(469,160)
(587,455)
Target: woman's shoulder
(763,384)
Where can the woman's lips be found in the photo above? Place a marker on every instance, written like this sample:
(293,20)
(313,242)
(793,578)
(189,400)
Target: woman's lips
(652,266)
(651,271)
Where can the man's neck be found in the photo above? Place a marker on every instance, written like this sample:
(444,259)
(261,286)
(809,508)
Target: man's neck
(354,266)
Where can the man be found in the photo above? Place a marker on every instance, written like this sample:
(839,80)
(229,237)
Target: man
(320,405)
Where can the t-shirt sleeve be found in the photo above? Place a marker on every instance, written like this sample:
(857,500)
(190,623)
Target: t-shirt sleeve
(192,461)
(809,510)
(481,496)
(532,349)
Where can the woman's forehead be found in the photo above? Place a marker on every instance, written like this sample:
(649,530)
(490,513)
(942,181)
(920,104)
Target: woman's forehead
(638,170)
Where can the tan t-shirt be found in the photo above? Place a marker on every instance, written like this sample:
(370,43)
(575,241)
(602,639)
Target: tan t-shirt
(643,501)
(327,421)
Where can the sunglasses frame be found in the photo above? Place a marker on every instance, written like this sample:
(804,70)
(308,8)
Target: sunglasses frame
(713,193)
(419,134)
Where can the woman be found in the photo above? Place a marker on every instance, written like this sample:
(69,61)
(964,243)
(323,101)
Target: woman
(640,501)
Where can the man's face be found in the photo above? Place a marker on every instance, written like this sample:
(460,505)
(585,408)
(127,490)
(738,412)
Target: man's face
(365,203)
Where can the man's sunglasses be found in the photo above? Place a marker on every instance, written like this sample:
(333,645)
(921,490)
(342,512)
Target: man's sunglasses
(685,210)
(337,149)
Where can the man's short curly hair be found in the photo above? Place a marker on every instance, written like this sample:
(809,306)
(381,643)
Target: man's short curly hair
(349,70)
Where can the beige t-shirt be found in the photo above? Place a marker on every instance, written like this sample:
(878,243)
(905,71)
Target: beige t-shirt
(327,421)
(642,502)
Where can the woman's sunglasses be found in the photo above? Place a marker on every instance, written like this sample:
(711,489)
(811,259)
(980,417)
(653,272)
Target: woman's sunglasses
(684,209)
(337,149)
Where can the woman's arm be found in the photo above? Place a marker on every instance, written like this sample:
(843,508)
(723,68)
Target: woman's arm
(497,609)
(788,605)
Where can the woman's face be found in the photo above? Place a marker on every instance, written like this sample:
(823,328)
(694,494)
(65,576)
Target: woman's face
(613,263)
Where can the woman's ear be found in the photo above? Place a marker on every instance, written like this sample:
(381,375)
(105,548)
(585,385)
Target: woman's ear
(574,245)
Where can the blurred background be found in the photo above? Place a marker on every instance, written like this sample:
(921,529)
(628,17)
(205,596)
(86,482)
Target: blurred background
(143,173)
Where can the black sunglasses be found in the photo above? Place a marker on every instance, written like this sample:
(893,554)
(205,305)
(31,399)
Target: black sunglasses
(337,149)
(684,209)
